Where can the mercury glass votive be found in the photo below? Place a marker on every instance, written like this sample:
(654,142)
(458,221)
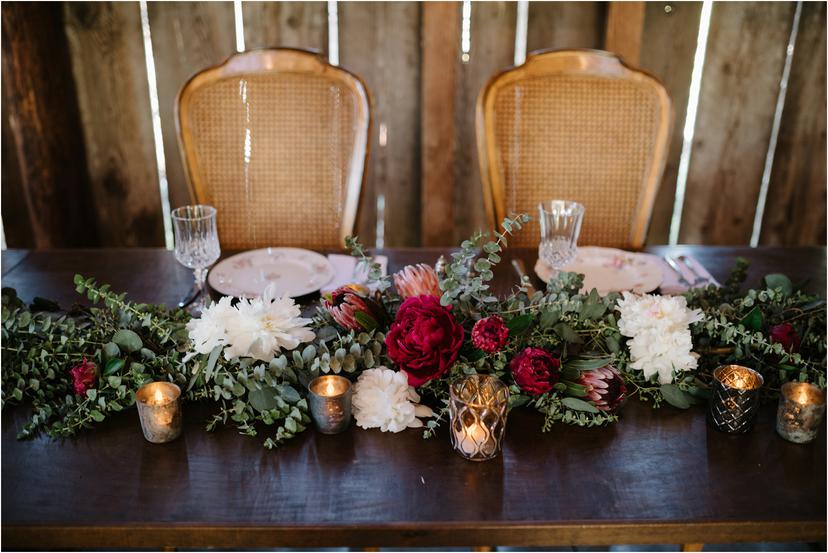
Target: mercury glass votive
(478,406)
(159,408)
(734,402)
(330,403)
(801,409)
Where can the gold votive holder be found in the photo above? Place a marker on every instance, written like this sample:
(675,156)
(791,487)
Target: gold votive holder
(800,413)
(734,402)
(330,403)
(159,408)
(478,406)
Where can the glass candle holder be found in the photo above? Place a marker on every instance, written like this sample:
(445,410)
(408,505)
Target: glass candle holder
(159,408)
(330,403)
(734,403)
(801,409)
(478,407)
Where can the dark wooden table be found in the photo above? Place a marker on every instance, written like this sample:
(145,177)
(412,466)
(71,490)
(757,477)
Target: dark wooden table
(655,477)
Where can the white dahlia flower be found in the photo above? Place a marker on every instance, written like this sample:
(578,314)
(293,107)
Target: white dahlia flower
(383,399)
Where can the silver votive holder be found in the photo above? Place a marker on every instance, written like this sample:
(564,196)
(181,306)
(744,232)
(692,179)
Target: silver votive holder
(159,408)
(800,413)
(330,403)
(478,406)
(734,402)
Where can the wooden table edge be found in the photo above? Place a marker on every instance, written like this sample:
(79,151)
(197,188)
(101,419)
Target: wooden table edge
(49,536)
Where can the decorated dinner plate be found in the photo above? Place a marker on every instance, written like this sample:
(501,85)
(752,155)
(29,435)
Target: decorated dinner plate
(611,270)
(296,272)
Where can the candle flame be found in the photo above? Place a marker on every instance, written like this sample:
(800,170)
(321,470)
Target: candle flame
(330,389)
(158,397)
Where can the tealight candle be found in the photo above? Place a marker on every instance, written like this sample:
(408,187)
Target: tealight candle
(477,411)
(801,409)
(735,399)
(330,403)
(159,409)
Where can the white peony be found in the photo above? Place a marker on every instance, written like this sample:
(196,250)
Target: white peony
(257,328)
(659,326)
(383,399)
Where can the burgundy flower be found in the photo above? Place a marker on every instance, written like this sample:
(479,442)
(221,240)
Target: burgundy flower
(84,376)
(535,370)
(605,387)
(490,334)
(786,335)
(424,339)
(352,309)
(417,280)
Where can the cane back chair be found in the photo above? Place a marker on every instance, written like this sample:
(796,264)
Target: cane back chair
(277,141)
(574,125)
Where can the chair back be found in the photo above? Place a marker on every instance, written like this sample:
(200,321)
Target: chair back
(277,141)
(574,125)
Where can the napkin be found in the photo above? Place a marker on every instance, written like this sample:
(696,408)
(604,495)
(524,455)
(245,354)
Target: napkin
(670,283)
(345,271)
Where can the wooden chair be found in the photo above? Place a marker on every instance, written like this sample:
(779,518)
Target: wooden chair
(576,125)
(277,141)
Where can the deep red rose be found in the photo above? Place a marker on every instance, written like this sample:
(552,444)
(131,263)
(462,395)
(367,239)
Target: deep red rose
(424,339)
(490,334)
(84,376)
(605,387)
(786,335)
(535,370)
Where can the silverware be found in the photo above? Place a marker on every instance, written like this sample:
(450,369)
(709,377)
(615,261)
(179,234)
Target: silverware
(440,266)
(189,298)
(520,269)
(698,279)
(673,265)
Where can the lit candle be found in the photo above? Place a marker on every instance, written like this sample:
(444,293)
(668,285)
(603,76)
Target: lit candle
(734,402)
(330,403)
(473,438)
(800,412)
(159,409)
(478,406)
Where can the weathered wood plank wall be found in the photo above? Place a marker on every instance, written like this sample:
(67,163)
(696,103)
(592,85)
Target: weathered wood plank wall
(98,156)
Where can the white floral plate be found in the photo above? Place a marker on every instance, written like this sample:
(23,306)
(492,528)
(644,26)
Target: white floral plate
(611,270)
(296,272)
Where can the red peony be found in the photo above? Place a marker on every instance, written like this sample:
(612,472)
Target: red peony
(535,370)
(352,309)
(605,387)
(84,376)
(490,334)
(424,339)
(786,335)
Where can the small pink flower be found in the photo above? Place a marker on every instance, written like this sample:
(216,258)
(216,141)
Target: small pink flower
(417,280)
(84,376)
(786,335)
(490,334)
(535,370)
(605,387)
(352,309)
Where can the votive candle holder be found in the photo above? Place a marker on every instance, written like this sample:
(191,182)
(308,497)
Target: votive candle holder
(478,406)
(330,403)
(159,409)
(800,413)
(734,403)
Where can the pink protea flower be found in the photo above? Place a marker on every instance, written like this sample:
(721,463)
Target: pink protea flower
(417,280)
(490,334)
(352,309)
(84,376)
(605,387)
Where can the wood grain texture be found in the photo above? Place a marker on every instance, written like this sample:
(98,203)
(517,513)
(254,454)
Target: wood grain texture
(380,42)
(45,193)
(625,26)
(285,24)
(367,488)
(668,48)
(565,25)
(745,55)
(441,47)
(107,51)
(186,38)
(795,208)
(492,49)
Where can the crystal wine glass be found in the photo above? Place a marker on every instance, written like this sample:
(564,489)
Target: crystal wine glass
(196,245)
(560,225)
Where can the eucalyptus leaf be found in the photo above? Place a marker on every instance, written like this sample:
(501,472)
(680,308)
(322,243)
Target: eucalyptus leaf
(263,399)
(128,340)
(673,395)
(579,405)
(113,366)
(780,281)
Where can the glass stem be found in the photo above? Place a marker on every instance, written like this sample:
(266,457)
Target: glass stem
(200,278)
